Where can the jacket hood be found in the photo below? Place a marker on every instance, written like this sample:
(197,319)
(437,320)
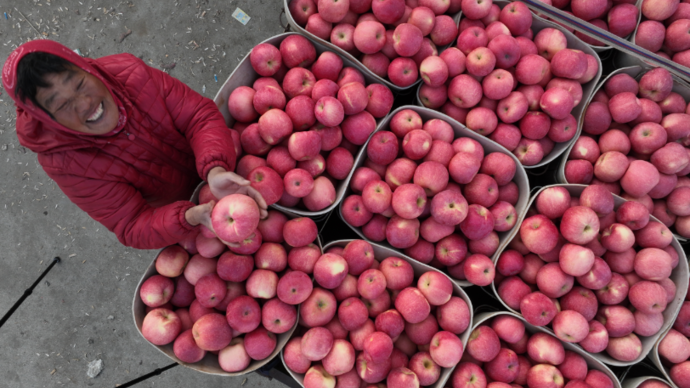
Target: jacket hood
(36,130)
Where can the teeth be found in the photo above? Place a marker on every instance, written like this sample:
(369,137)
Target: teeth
(97,114)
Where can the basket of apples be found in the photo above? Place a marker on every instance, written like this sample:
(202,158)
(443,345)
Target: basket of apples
(645,382)
(436,191)
(664,28)
(228,309)
(515,78)
(619,18)
(300,113)
(599,270)
(377,317)
(672,352)
(635,140)
(507,351)
(389,39)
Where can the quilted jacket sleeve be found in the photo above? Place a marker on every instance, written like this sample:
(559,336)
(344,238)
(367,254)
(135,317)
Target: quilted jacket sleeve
(122,209)
(201,122)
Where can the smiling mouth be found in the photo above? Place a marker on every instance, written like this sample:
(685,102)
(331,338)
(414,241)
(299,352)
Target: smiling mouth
(97,114)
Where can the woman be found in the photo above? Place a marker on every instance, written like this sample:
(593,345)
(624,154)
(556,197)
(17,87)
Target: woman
(125,142)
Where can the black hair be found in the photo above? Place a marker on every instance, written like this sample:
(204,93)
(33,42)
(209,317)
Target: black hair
(31,72)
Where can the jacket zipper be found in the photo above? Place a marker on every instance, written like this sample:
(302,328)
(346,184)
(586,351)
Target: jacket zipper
(156,152)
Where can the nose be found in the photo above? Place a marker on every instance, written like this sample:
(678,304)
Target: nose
(82,104)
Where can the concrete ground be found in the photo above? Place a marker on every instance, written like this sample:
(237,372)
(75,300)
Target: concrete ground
(81,311)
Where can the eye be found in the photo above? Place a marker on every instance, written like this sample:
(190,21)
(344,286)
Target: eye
(64,104)
(79,87)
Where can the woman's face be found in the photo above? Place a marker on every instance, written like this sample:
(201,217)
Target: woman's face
(79,101)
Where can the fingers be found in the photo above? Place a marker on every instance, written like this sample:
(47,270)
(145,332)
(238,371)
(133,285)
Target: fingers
(206,221)
(205,216)
(238,179)
(234,245)
(244,188)
(257,197)
(217,189)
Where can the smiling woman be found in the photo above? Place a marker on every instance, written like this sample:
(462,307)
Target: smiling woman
(79,101)
(73,97)
(125,142)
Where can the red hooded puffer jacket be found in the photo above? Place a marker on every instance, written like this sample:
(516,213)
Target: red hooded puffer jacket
(135,180)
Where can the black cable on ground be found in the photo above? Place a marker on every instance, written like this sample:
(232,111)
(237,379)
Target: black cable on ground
(147,376)
(28,292)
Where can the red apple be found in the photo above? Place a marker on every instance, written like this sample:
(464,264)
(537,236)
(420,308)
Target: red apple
(161,326)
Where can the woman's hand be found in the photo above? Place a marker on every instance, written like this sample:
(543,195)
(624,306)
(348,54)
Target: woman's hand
(224,183)
(200,214)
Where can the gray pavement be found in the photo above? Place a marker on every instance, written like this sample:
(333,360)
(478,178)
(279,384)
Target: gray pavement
(82,310)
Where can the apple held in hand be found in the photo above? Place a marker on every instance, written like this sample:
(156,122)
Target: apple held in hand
(235,217)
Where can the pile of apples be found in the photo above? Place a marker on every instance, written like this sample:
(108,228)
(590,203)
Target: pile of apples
(232,303)
(368,322)
(619,17)
(424,191)
(599,277)
(502,353)
(504,83)
(300,136)
(636,142)
(665,28)
(389,37)
(674,348)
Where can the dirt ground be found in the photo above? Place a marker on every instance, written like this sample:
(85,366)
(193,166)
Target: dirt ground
(81,311)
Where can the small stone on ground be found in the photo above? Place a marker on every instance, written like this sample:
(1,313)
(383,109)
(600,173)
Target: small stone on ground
(95,368)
